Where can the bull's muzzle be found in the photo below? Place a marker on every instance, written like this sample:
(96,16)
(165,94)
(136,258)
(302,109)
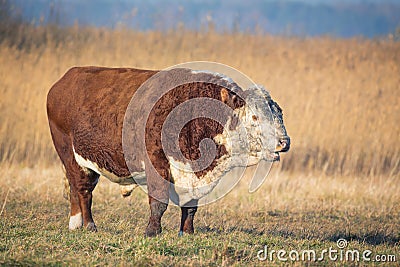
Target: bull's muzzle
(283,144)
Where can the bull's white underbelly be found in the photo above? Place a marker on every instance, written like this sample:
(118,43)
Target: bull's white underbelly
(87,165)
(188,186)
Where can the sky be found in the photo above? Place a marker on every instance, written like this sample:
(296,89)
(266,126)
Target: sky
(339,18)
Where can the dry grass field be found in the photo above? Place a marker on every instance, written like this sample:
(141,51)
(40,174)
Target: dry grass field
(341,103)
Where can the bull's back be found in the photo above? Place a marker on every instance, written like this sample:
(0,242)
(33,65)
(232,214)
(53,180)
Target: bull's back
(91,93)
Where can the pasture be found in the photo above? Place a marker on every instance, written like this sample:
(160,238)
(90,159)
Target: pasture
(341,104)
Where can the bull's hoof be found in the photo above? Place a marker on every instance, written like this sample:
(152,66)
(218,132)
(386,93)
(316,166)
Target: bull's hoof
(185,232)
(152,231)
(91,227)
(189,231)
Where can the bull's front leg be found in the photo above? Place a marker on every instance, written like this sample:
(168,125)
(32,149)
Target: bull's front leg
(157,209)
(158,191)
(187,218)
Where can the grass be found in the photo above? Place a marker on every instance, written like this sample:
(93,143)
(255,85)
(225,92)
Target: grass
(288,212)
(341,108)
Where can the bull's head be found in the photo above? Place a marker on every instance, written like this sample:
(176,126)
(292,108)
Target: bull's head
(271,111)
(258,132)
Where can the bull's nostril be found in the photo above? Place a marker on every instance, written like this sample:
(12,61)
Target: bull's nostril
(284,144)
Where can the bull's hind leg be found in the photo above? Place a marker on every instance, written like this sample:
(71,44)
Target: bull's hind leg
(75,216)
(82,184)
(79,181)
(187,217)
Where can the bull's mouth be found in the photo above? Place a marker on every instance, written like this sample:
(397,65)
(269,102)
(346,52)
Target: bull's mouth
(276,157)
(272,157)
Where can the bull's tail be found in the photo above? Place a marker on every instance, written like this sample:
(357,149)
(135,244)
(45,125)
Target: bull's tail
(66,191)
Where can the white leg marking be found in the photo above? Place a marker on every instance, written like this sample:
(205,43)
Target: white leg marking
(75,221)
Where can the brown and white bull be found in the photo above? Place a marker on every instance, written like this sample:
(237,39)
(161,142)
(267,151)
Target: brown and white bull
(86,110)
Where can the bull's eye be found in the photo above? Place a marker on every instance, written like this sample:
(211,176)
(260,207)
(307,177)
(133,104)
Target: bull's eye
(254,117)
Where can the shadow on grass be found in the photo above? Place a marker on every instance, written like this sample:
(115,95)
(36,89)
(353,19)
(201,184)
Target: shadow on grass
(369,238)
(249,231)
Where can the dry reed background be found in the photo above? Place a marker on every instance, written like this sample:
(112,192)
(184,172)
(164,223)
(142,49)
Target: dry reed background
(340,97)
(341,107)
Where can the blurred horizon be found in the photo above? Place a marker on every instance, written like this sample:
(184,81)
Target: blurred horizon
(304,18)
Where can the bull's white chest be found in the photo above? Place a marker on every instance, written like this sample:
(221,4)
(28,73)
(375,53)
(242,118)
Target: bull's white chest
(188,186)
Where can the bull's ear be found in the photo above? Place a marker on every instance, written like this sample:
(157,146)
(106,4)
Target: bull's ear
(224,95)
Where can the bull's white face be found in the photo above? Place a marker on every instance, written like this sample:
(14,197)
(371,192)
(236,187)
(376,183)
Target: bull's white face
(260,133)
